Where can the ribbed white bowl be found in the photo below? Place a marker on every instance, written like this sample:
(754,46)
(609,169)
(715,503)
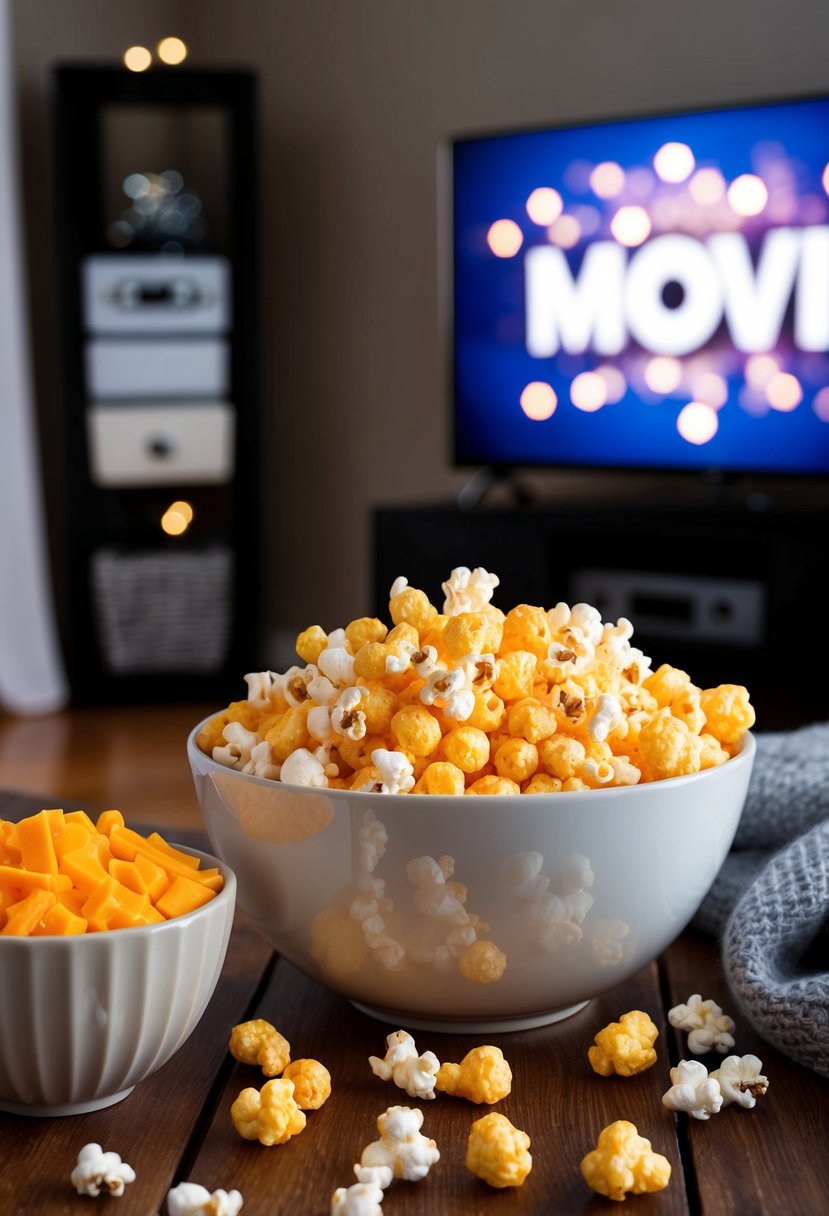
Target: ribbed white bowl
(84,1018)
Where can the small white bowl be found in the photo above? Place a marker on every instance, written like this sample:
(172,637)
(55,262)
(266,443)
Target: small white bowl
(84,1018)
(578,890)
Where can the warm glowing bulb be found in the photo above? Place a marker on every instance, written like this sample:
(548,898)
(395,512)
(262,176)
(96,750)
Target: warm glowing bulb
(172,50)
(184,509)
(697,423)
(538,400)
(565,232)
(760,369)
(588,392)
(137,58)
(607,179)
(674,162)
(631,225)
(505,238)
(544,205)
(747,194)
(707,187)
(821,404)
(173,524)
(783,392)
(663,374)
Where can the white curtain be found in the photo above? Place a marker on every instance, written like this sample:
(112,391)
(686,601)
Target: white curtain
(32,680)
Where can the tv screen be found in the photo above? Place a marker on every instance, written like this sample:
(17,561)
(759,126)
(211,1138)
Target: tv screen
(646,293)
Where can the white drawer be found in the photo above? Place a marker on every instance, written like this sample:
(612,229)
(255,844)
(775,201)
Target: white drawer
(156,367)
(146,293)
(139,445)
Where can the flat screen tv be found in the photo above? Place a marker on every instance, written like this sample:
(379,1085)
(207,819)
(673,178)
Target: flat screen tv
(646,293)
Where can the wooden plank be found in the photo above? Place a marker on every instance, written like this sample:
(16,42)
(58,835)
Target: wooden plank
(769,1160)
(556,1098)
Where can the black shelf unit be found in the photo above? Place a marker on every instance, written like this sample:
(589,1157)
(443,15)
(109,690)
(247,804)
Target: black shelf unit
(144,615)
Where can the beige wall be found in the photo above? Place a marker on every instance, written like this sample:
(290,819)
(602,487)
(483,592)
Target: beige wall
(355,95)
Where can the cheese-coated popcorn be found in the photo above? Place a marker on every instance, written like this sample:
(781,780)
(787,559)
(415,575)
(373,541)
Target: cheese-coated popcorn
(741,1080)
(483,1075)
(624,1047)
(269,1115)
(560,681)
(401,1146)
(190,1199)
(97,1172)
(497,1152)
(693,1091)
(482,962)
(408,1069)
(709,1029)
(623,1162)
(258,1042)
(312,1083)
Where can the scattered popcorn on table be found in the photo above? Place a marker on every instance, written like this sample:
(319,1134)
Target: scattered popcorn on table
(190,1199)
(257,1042)
(483,1075)
(741,1080)
(402,1064)
(624,1047)
(401,1147)
(473,700)
(312,1083)
(709,1029)
(497,1152)
(623,1163)
(98,1172)
(693,1090)
(365,1196)
(269,1115)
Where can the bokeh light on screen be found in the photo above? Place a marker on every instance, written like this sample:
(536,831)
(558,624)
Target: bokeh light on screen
(505,238)
(663,374)
(607,179)
(544,206)
(825,179)
(588,392)
(565,232)
(172,51)
(614,382)
(760,369)
(747,194)
(539,400)
(137,58)
(821,404)
(783,392)
(697,423)
(177,518)
(631,225)
(674,162)
(710,389)
(707,187)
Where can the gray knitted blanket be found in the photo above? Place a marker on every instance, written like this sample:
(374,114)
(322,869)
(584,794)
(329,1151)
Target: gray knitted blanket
(769,904)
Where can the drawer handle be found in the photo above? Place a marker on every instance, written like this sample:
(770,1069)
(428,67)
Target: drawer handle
(160,447)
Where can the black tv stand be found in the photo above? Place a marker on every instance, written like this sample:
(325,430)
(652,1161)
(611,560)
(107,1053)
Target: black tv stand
(473,492)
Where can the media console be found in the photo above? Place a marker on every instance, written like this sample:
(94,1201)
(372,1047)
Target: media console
(733,595)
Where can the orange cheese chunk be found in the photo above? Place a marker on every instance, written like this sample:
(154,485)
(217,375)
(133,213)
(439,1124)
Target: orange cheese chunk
(109,897)
(141,875)
(21,882)
(83,818)
(59,921)
(127,844)
(183,895)
(22,917)
(107,820)
(73,836)
(37,849)
(158,842)
(84,868)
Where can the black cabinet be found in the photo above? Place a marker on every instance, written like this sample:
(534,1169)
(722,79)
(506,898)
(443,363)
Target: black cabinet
(158,426)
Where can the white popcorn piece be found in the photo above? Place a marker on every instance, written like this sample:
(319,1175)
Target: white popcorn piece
(600,771)
(423,659)
(480,670)
(434,896)
(442,684)
(372,839)
(522,874)
(337,665)
(346,718)
(693,1090)
(293,684)
(608,716)
(398,586)
(709,1029)
(624,771)
(741,1080)
(405,1067)
(239,743)
(260,687)
(261,762)
(321,690)
(468,590)
(190,1199)
(97,1172)
(396,772)
(401,1147)
(303,768)
(359,1199)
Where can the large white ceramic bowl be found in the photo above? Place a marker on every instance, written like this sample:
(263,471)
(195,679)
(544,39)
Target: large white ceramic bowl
(577,890)
(84,1018)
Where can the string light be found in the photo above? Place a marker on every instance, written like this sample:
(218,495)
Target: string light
(137,58)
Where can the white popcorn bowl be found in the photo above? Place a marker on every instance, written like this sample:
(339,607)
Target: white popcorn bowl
(84,1018)
(626,869)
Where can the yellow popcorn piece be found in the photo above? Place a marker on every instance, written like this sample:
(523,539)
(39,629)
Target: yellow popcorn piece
(497,1152)
(414,729)
(623,1163)
(467,748)
(441,777)
(258,1042)
(483,1075)
(728,712)
(624,1047)
(668,747)
(269,1115)
(412,607)
(491,783)
(482,962)
(312,1083)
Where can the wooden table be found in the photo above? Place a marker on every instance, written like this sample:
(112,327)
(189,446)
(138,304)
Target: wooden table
(176,1124)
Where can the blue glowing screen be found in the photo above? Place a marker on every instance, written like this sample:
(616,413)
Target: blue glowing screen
(646,293)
